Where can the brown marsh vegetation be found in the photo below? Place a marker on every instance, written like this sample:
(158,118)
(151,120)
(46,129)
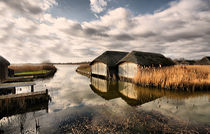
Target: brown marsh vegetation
(84,69)
(188,77)
(31,67)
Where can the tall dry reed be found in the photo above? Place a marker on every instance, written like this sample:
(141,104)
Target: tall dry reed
(189,77)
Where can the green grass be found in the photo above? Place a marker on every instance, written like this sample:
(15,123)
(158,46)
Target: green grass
(33,72)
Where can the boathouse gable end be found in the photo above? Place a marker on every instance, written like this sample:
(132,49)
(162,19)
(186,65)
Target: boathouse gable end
(127,69)
(105,65)
(99,68)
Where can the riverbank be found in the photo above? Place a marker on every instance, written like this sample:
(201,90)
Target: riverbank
(22,72)
(179,77)
(84,69)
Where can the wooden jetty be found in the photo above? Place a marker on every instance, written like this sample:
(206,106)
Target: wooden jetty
(6,88)
(16,84)
(12,104)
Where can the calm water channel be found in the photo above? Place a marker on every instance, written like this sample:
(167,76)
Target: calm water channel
(82,105)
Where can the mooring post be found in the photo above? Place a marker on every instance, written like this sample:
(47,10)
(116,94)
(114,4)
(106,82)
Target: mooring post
(14,90)
(32,88)
(46,91)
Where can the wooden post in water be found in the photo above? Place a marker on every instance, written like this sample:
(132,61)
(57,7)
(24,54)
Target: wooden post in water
(14,90)
(46,91)
(32,88)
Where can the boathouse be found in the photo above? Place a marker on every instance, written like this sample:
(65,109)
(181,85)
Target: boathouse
(3,69)
(204,61)
(105,65)
(128,66)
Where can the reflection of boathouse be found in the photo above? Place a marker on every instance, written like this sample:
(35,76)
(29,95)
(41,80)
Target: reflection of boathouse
(105,64)
(135,95)
(105,89)
(129,92)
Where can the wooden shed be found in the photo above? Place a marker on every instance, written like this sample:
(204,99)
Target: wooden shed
(128,66)
(106,64)
(3,69)
(204,61)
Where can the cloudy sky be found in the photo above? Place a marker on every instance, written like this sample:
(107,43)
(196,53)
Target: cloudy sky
(79,30)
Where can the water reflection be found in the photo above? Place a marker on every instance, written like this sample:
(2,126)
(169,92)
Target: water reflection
(188,106)
(79,106)
(105,89)
(191,108)
(129,92)
(135,95)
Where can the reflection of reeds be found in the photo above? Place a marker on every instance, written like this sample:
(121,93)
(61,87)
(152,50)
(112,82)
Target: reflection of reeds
(137,95)
(176,77)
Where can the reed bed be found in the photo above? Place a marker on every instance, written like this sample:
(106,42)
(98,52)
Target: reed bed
(188,77)
(31,67)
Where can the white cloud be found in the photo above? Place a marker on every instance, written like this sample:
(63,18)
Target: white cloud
(182,30)
(27,7)
(98,6)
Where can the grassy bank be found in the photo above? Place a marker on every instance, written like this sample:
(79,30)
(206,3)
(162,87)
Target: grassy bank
(35,70)
(84,69)
(189,77)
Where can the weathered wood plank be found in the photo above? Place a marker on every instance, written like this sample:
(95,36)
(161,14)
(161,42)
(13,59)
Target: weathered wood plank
(22,103)
(30,94)
(99,68)
(16,84)
(127,70)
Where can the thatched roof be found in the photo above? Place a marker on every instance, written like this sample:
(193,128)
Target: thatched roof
(185,62)
(4,61)
(110,58)
(147,59)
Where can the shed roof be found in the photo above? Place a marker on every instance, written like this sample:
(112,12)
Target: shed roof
(4,61)
(147,59)
(110,58)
